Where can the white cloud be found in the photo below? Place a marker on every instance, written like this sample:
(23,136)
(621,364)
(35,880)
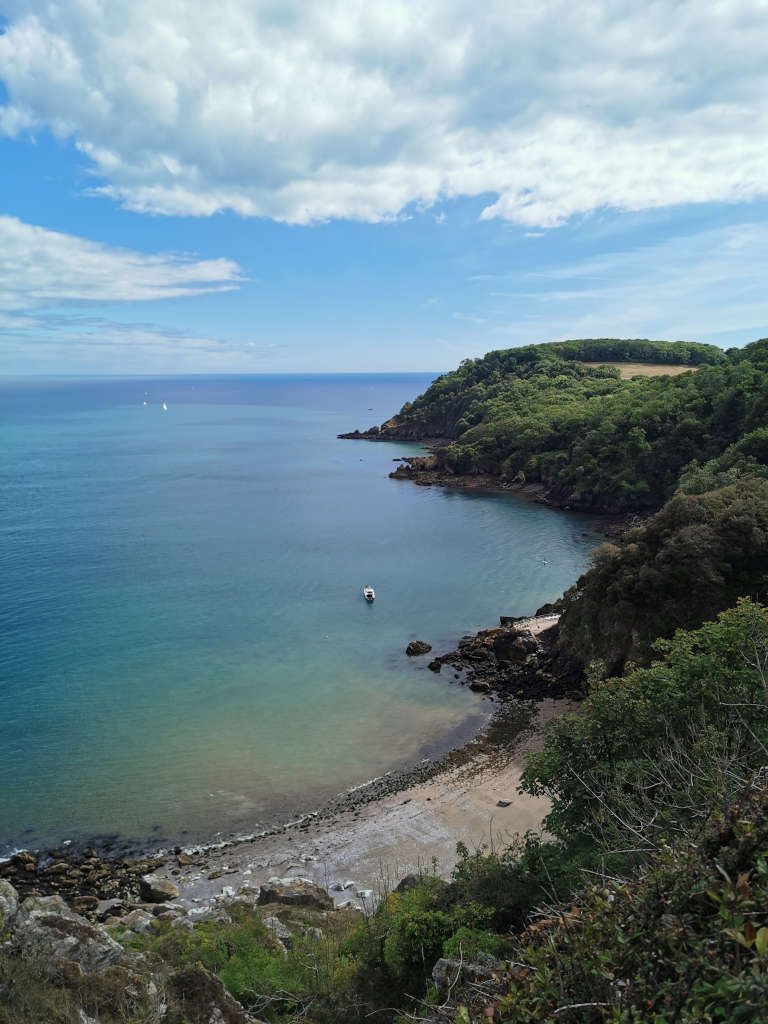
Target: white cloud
(357,108)
(43,271)
(42,268)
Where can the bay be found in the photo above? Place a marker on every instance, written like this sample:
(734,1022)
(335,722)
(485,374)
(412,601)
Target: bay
(184,647)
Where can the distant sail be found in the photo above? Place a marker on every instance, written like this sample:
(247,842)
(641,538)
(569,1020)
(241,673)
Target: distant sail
(165,407)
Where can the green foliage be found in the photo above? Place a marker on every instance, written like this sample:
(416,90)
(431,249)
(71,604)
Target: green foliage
(242,953)
(650,754)
(686,941)
(696,556)
(396,949)
(594,441)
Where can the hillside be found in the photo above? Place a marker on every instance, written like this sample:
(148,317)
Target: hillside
(548,415)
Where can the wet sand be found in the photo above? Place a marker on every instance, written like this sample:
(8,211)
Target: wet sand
(363,852)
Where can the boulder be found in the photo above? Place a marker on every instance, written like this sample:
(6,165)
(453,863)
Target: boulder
(9,904)
(109,908)
(45,925)
(295,892)
(448,972)
(204,999)
(138,921)
(156,889)
(277,930)
(416,647)
(247,894)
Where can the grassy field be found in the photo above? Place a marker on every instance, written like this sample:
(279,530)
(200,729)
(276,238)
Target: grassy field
(628,370)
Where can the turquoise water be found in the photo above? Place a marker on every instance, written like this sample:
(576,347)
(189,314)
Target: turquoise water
(184,645)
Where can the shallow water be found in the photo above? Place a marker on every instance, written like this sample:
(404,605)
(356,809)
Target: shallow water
(184,648)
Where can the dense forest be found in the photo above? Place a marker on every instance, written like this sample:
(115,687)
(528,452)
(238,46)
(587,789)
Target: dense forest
(592,440)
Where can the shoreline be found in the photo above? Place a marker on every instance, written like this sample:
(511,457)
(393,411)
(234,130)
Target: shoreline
(337,837)
(361,852)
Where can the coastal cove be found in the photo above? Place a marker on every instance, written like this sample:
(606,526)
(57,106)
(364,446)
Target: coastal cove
(187,653)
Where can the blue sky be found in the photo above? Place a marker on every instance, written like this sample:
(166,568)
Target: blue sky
(292,186)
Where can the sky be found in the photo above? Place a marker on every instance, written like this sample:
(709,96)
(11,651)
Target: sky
(259,186)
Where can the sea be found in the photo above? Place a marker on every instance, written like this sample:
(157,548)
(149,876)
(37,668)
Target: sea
(185,652)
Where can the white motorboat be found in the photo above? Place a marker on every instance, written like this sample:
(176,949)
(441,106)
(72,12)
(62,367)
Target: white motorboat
(369,594)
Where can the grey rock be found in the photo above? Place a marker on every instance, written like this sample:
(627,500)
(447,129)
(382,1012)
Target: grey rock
(247,894)
(45,925)
(109,908)
(155,889)
(449,972)
(9,903)
(168,912)
(313,933)
(205,999)
(185,923)
(295,892)
(278,931)
(138,921)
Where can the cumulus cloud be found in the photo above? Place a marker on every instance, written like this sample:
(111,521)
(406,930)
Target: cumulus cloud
(358,108)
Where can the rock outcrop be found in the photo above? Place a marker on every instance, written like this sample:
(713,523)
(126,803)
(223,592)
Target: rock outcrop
(204,1000)
(510,660)
(46,926)
(9,904)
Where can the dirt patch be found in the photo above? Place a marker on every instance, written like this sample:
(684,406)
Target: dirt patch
(629,370)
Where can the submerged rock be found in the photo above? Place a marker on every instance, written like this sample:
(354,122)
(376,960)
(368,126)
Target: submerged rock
(416,647)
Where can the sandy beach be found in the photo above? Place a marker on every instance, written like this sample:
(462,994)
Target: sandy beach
(368,849)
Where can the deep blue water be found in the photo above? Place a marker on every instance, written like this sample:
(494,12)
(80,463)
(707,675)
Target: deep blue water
(184,648)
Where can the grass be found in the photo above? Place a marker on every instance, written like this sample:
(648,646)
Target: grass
(629,370)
